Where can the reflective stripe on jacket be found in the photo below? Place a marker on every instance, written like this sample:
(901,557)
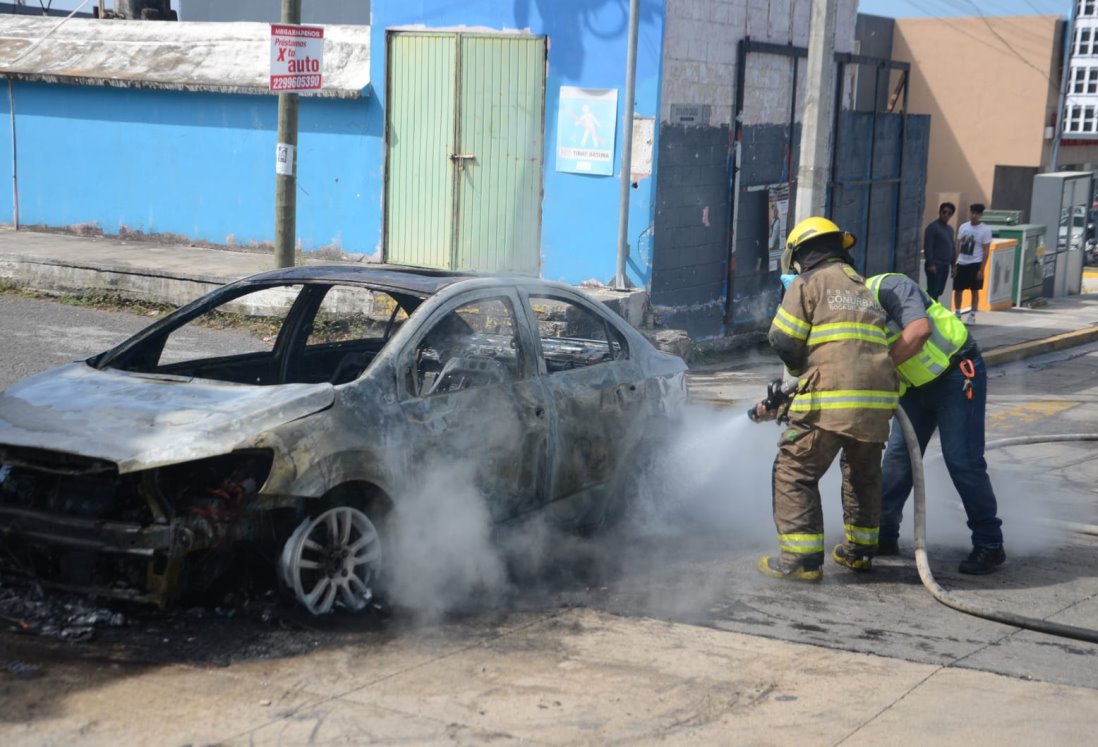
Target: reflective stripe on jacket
(830,331)
(947,335)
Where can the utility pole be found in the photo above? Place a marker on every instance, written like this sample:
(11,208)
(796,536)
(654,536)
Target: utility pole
(1061,102)
(814,171)
(627,145)
(286,178)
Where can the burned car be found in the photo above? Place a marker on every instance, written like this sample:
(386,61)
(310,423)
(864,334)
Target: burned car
(150,471)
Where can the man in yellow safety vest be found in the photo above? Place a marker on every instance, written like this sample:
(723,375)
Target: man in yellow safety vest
(945,379)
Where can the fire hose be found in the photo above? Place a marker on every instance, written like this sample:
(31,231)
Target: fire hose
(923,563)
(778,397)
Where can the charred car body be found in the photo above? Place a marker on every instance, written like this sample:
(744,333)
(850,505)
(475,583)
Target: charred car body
(149,470)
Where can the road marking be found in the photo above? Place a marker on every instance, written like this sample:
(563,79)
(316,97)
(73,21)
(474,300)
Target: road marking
(1028,413)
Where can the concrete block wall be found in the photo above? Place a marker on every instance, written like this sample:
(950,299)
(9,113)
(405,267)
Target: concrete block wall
(690,260)
(692,240)
(701,38)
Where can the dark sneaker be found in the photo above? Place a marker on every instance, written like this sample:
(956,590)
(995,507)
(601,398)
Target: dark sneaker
(770,566)
(859,563)
(886,547)
(982,560)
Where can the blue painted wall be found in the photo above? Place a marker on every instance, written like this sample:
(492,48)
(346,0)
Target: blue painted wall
(194,164)
(587,48)
(201,165)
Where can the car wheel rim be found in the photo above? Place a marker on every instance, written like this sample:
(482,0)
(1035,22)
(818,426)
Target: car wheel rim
(332,560)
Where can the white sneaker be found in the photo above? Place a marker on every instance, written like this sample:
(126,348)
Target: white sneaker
(971,319)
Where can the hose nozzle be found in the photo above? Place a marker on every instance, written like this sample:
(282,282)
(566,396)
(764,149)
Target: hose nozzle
(777,397)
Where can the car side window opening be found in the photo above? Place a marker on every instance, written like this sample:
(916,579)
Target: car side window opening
(472,346)
(350,327)
(573,336)
(227,342)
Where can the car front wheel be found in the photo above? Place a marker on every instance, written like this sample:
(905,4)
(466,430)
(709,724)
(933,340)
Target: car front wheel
(333,560)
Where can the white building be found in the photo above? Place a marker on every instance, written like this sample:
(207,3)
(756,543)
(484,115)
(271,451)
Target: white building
(1081,105)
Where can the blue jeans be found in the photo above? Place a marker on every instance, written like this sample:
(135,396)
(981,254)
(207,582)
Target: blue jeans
(942,404)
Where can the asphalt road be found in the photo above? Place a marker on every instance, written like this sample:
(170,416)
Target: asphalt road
(690,555)
(36,334)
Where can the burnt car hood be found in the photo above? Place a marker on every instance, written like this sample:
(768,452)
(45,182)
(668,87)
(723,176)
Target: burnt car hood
(141,421)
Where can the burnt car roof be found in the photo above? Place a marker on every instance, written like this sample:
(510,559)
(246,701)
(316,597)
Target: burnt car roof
(412,280)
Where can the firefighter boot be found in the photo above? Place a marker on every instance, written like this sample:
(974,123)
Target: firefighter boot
(771,566)
(859,563)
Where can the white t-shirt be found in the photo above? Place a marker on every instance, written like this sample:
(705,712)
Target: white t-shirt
(972,240)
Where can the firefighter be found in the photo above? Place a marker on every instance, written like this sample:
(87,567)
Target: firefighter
(830,333)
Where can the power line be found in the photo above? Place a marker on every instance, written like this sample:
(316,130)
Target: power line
(1055,86)
(1010,47)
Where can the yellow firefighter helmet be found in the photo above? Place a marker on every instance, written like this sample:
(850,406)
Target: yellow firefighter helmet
(808,229)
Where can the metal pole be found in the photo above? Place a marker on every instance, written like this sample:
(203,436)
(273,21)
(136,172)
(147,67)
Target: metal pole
(286,183)
(14,159)
(1021,271)
(620,282)
(1061,104)
(813,172)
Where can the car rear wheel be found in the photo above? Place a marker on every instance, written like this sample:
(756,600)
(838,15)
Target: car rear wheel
(333,560)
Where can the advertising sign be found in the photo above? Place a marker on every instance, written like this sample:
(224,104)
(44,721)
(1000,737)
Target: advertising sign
(297,58)
(778,217)
(586,126)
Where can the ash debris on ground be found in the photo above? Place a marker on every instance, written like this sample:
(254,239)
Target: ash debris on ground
(237,628)
(29,609)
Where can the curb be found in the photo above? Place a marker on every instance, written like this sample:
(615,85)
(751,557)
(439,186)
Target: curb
(1011,353)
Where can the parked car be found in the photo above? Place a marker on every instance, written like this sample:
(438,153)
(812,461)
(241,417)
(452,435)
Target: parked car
(147,471)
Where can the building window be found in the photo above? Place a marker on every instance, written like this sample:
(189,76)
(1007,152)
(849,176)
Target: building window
(1088,119)
(1083,43)
(1073,121)
(1077,79)
(1092,80)
(1085,8)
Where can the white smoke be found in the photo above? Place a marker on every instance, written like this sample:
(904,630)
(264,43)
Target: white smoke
(441,555)
(704,497)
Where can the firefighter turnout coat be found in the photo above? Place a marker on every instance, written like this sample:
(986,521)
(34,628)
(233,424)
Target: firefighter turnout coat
(831,333)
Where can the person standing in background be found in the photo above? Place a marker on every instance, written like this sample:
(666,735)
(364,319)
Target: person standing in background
(973,250)
(939,250)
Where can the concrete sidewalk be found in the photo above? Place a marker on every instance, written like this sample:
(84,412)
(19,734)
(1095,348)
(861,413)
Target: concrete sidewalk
(176,274)
(169,273)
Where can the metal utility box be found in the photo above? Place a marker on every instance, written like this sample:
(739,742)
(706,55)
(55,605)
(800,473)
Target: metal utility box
(1028,266)
(1061,201)
(1003,217)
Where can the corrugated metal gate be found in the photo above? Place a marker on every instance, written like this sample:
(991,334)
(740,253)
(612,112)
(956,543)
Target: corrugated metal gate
(877,189)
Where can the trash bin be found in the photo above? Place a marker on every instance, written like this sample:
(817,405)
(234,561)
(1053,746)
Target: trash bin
(997,293)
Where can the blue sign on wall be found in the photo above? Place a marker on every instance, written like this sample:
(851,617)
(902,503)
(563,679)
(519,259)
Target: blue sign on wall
(586,125)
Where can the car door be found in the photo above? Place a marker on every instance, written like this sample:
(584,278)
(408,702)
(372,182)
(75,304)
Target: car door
(479,414)
(597,393)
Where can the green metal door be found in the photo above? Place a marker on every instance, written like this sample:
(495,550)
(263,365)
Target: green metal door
(420,190)
(466,131)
